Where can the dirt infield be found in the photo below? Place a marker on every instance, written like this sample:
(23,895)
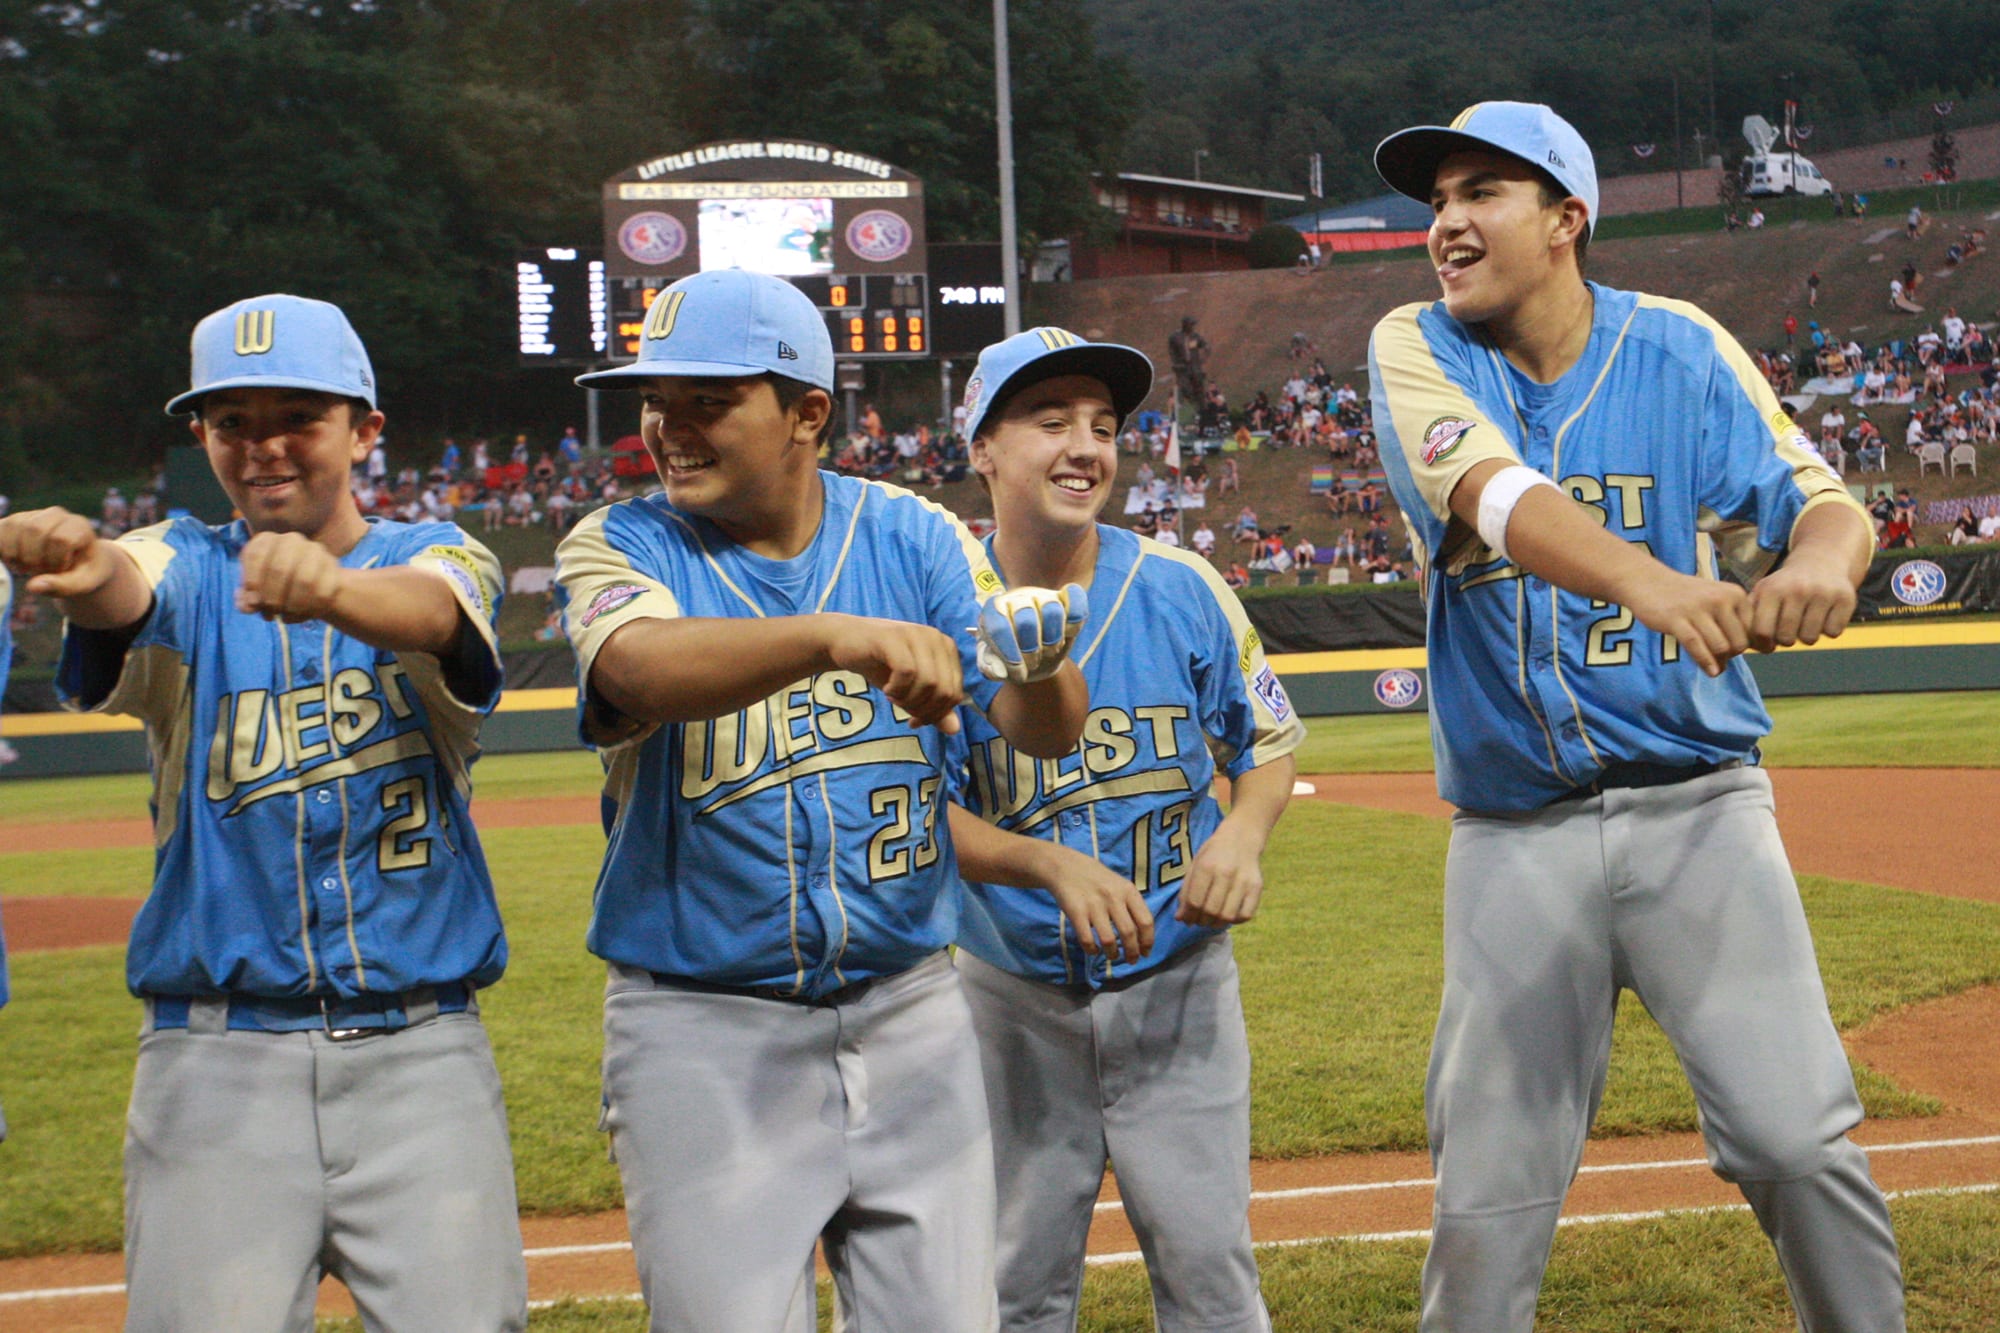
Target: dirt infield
(1943,1048)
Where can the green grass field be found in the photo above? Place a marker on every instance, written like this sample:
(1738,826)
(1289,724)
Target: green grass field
(1340,979)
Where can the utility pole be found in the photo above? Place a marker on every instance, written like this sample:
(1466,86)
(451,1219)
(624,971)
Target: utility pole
(1679,200)
(1003,117)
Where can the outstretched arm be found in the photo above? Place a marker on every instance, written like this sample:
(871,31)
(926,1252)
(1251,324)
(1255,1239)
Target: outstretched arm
(1553,537)
(687,669)
(59,554)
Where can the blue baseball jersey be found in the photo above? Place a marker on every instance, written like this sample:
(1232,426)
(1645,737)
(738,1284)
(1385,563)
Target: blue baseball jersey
(6,661)
(310,792)
(798,843)
(1666,430)
(1178,684)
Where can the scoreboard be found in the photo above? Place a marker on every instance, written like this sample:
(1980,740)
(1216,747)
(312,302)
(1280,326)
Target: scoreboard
(869,316)
(846,228)
(562,306)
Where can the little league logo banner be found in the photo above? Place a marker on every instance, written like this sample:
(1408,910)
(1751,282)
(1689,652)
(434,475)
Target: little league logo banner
(1941,585)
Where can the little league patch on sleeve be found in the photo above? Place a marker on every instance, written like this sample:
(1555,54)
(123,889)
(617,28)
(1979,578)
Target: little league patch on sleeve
(613,597)
(1442,436)
(462,568)
(1265,683)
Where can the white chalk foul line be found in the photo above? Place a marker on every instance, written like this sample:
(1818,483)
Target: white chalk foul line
(1679,1164)
(615,1246)
(1582,1220)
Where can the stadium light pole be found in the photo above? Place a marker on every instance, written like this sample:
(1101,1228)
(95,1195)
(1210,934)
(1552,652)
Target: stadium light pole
(1003,120)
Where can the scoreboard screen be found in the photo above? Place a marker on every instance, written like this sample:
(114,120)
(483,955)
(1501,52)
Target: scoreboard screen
(562,304)
(869,316)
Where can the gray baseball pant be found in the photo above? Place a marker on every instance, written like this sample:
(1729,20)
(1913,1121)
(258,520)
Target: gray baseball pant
(255,1161)
(747,1128)
(1154,1077)
(1681,894)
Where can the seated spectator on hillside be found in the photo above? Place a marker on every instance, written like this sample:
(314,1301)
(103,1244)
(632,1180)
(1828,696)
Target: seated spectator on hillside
(1147,523)
(1870,454)
(481,457)
(521,507)
(1302,346)
(1364,450)
(1966,529)
(1897,535)
(1346,550)
(1339,500)
(1976,347)
(1881,509)
(560,510)
(1242,438)
(1874,384)
(1832,451)
(1203,540)
(1914,437)
(1929,346)
(1226,480)
(1954,333)
(1236,576)
(1989,527)
(1756,219)
(1142,476)
(1906,507)
(1901,299)
(1913,226)
(1304,555)
(1377,539)
(1934,384)
(1369,501)
(1245,529)
(1194,489)
(1166,536)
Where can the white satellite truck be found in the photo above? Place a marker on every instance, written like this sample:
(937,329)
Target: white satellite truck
(1781,172)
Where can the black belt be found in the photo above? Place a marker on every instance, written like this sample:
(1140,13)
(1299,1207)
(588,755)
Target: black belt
(1643,775)
(841,995)
(342,1018)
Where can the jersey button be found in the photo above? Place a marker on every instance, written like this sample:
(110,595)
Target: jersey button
(329,884)
(324,796)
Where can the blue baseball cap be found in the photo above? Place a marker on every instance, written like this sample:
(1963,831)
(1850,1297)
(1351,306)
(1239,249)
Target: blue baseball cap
(727,324)
(1408,159)
(1044,353)
(277,342)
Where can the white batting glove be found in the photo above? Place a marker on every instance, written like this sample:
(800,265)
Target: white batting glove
(1025,633)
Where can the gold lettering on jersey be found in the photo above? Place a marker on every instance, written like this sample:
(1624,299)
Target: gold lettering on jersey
(1107,740)
(396,688)
(355,712)
(1111,761)
(1591,493)
(307,733)
(845,711)
(253,331)
(294,724)
(1161,717)
(801,728)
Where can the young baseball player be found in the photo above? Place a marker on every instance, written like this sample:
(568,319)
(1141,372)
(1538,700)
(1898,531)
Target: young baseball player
(767,656)
(1577,464)
(1079,865)
(6,660)
(314,1091)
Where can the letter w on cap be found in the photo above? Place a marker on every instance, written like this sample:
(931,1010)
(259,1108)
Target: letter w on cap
(665,311)
(253,331)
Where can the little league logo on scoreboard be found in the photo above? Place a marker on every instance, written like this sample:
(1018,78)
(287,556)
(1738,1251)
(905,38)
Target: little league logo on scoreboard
(879,236)
(652,238)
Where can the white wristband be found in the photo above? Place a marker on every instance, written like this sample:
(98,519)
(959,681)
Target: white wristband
(1504,490)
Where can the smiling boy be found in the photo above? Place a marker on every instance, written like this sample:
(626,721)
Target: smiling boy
(1095,949)
(768,656)
(1578,466)
(314,1091)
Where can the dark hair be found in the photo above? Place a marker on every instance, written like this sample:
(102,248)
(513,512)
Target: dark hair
(1553,195)
(789,391)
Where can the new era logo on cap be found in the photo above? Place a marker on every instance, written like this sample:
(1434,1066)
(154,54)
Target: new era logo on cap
(786,352)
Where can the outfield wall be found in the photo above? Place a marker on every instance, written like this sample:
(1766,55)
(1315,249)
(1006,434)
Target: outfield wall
(1868,659)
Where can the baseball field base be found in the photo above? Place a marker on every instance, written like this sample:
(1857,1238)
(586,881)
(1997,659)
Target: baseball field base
(1868,659)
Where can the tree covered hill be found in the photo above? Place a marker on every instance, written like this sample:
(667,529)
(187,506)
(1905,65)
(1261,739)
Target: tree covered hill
(1260,84)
